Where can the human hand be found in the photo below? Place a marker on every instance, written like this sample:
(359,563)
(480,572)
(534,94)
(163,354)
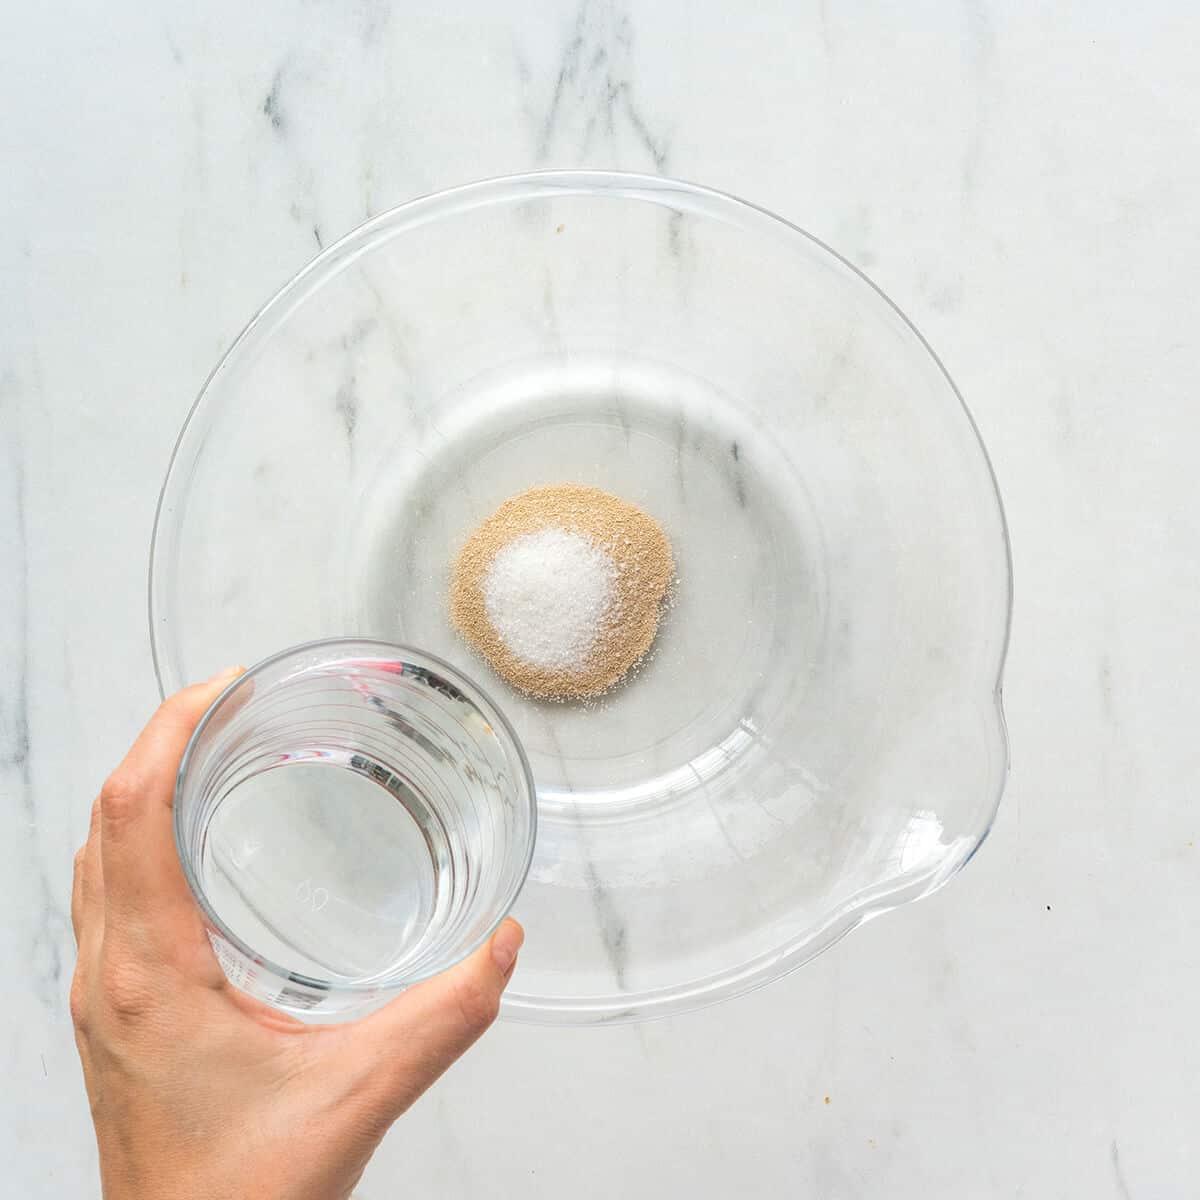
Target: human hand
(196,1090)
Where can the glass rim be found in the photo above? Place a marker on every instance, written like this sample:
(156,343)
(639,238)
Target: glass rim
(401,652)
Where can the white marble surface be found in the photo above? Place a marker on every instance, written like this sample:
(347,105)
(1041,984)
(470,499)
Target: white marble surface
(1026,187)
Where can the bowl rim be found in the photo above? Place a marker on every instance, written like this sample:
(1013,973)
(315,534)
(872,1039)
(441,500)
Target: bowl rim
(643,188)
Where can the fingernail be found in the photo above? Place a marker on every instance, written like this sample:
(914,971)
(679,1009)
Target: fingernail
(226,675)
(505,944)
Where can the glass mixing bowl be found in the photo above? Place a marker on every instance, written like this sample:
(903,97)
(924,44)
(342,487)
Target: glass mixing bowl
(818,736)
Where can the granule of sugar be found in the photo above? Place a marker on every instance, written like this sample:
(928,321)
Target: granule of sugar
(548,595)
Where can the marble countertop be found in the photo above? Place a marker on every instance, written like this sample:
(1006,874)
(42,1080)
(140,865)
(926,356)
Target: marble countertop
(1026,187)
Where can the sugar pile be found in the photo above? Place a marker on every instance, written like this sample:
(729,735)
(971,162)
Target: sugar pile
(548,594)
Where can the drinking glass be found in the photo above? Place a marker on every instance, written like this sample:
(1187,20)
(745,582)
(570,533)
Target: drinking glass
(352,816)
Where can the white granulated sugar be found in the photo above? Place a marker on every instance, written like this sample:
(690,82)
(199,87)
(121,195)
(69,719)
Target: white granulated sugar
(547,595)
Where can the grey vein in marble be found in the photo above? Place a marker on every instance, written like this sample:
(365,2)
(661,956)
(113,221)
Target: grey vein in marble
(612,929)
(270,105)
(737,475)
(345,403)
(593,96)
(1118,1174)
(980,50)
(45,951)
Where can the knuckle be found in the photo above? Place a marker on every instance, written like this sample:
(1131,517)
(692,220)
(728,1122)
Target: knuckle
(78,1003)
(479,1005)
(119,796)
(127,988)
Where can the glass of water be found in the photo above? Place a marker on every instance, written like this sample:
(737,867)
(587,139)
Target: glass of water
(352,816)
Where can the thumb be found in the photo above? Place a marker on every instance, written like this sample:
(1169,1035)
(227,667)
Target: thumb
(143,883)
(411,1041)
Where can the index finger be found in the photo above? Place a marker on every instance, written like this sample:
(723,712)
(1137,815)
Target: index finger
(137,843)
